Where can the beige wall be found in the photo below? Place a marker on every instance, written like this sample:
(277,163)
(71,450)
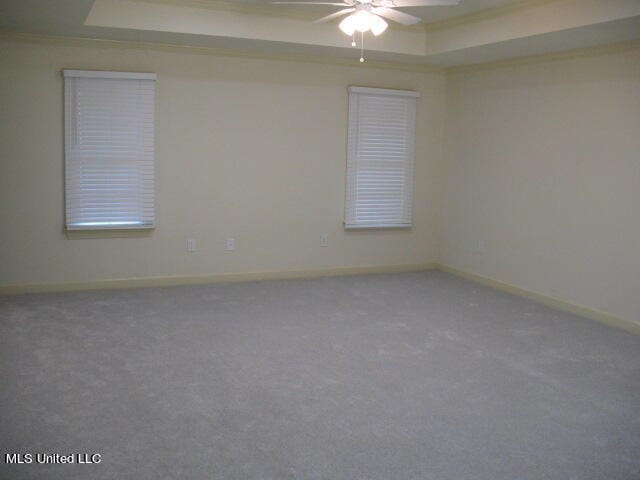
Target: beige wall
(541,179)
(538,187)
(246,148)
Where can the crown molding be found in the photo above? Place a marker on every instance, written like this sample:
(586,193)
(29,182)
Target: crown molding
(213,51)
(230,6)
(547,57)
(487,14)
(322,60)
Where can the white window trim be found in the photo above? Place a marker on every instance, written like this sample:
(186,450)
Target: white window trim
(380,92)
(90,226)
(105,74)
(384,91)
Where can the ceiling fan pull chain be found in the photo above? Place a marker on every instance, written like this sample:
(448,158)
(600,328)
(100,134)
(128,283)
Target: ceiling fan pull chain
(362,48)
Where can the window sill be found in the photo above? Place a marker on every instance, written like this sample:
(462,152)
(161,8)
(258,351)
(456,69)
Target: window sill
(126,226)
(133,231)
(407,226)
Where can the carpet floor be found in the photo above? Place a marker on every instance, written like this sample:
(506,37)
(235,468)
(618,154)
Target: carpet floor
(380,377)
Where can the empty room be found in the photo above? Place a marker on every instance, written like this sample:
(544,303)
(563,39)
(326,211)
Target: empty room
(307,240)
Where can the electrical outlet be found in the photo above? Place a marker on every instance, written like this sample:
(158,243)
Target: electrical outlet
(191,245)
(324,240)
(231,244)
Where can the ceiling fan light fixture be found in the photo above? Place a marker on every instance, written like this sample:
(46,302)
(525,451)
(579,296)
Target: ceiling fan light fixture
(378,25)
(369,15)
(363,21)
(348,25)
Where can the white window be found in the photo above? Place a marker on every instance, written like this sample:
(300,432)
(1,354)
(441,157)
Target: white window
(380,157)
(109,150)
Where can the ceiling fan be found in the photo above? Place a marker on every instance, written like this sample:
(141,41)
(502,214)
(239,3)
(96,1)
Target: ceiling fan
(366,15)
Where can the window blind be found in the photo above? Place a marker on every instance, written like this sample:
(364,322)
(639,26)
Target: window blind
(109,150)
(380,158)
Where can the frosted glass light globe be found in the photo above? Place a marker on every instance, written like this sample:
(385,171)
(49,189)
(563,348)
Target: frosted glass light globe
(348,25)
(378,25)
(363,21)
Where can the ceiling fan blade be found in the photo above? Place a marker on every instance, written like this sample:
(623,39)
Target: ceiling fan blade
(396,16)
(415,3)
(335,4)
(337,14)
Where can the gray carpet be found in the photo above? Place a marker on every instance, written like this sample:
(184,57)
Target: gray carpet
(382,377)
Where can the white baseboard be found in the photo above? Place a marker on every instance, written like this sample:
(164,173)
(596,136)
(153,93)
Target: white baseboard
(120,283)
(602,317)
(204,279)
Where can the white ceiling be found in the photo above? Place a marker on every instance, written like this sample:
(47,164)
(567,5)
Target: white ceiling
(428,14)
(531,27)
